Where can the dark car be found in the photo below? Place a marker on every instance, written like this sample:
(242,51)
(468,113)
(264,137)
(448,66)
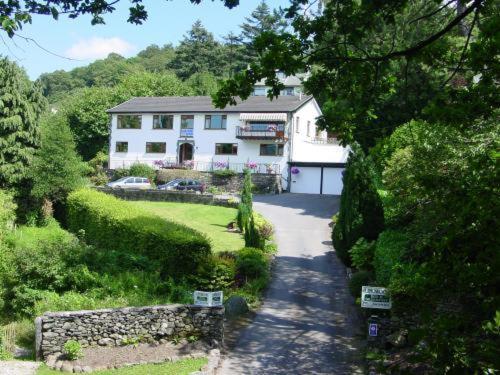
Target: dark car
(193,185)
(171,185)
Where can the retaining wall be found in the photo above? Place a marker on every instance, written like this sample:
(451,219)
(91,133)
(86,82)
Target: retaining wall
(110,327)
(169,196)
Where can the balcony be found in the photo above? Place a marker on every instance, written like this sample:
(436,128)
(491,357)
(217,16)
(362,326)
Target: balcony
(261,132)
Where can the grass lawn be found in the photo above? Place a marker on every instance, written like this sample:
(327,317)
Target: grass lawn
(182,367)
(211,220)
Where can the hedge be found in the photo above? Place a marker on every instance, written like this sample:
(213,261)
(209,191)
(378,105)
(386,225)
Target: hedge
(110,223)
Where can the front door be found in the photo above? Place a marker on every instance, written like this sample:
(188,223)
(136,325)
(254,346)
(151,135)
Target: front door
(185,152)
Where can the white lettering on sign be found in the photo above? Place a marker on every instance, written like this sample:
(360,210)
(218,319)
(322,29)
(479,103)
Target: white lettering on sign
(373,297)
(208,298)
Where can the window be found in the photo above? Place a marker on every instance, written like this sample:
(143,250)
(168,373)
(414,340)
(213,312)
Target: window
(156,147)
(163,122)
(272,149)
(288,91)
(129,121)
(226,149)
(308,128)
(215,121)
(297,124)
(121,147)
(187,125)
(259,91)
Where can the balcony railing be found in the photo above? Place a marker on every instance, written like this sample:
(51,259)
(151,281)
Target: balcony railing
(274,132)
(324,141)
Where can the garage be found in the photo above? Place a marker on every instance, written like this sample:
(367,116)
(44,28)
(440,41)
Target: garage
(316,178)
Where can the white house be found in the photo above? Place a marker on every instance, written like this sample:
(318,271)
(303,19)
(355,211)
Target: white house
(278,136)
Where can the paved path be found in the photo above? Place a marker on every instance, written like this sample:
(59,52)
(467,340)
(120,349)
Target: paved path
(18,367)
(307,322)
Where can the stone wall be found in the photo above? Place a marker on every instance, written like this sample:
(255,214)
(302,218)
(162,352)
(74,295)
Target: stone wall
(264,183)
(169,196)
(110,327)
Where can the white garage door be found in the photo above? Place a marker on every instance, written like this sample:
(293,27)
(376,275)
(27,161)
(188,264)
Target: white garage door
(317,180)
(332,180)
(307,181)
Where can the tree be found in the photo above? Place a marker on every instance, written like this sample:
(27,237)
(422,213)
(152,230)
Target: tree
(361,214)
(57,84)
(234,51)
(261,20)
(21,104)
(16,13)
(368,60)
(57,169)
(203,83)
(154,58)
(152,84)
(198,52)
(85,112)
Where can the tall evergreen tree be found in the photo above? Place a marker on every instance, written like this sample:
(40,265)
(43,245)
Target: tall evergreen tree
(261,20)
(198,52)
(21,104)
(234,54)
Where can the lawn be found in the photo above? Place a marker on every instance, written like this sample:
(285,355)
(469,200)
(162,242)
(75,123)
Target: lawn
(182,367)
(211,220)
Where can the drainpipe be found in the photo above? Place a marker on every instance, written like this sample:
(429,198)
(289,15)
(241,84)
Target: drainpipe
(291,132)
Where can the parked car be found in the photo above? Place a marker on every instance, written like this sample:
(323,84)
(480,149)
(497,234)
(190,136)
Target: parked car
(171,185)
(193,185)
(131,182)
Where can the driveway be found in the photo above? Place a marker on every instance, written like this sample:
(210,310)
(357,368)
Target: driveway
(308,322)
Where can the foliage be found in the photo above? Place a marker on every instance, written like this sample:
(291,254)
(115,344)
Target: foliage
(7,213)
(252,236)
(361,213)
(252,263)
(22,104)
(142,170)
(246,193)
(72,350)
(98,165)
(390,248)
(181,367)
(203,83)
(243,216)
(359,279)
(362,253)
(153,84)
(217,273)
(264,228)
(110,223)
(56,168)
(227,173)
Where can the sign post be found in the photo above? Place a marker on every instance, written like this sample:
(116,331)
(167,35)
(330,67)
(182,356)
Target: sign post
(208,299)
(373,297)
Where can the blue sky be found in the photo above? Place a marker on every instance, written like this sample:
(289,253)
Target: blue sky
(167,23)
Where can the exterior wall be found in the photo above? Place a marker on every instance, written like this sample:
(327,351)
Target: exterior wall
(110,327)
(305,148)
(204,141)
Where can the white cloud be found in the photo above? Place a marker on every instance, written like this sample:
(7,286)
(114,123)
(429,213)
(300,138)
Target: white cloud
(94,48)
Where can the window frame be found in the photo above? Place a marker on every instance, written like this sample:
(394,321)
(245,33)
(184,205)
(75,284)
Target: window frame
(159,115)
(278,147)
(153,152)
(233,145)
(118,121)
(122,142)
(209,119)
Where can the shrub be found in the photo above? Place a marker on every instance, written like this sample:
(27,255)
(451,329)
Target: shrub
(225,173)
(119,173)
(217,273)
(143,170)
(72,350)
(361,213)
(246,193)
(358,280)
(97,165)
(110,223)
(252,236)
(252,263)
(390,247)
(362,254)
(244,212)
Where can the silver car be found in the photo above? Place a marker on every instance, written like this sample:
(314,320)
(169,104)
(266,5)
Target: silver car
(131,182)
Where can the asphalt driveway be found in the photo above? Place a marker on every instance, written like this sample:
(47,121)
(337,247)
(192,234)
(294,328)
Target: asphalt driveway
(307,323)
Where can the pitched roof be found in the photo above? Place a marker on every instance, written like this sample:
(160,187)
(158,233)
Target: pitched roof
(192,104)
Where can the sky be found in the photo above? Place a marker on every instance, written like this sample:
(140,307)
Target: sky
(78,40)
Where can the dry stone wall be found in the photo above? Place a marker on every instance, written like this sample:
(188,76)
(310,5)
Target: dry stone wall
(115,327)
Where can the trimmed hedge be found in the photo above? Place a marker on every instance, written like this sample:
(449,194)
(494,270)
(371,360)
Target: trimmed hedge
(110,223)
